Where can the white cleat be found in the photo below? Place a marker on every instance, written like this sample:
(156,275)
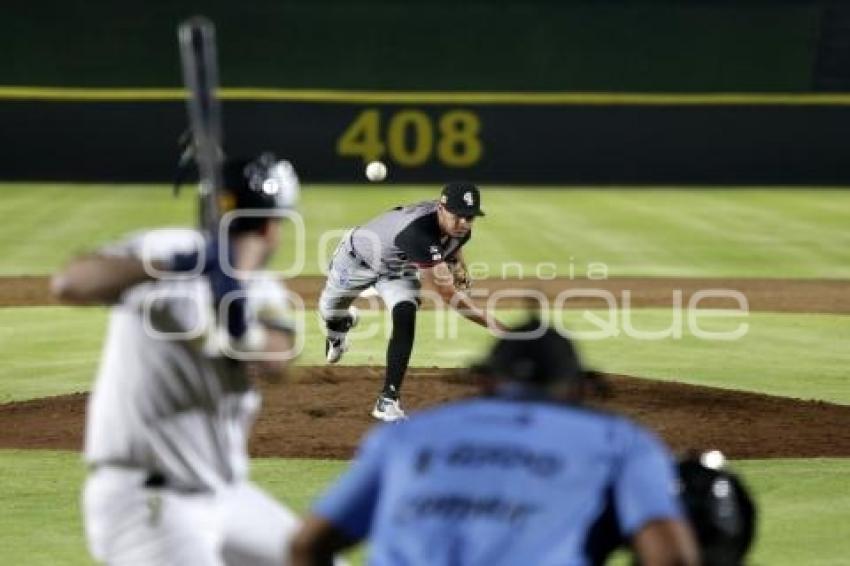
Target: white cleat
(388,410)
(337,346)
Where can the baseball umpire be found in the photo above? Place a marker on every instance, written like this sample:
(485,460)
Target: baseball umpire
(169,416)
(394,253)
(522,475)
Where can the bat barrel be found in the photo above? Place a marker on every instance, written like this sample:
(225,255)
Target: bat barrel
(199,59)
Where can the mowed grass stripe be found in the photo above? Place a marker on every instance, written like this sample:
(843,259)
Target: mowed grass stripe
(49,223)
(53,350)
(802,505)
(689,232)
(47,351)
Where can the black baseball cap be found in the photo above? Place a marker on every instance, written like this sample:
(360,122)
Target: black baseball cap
(461,198)
(534,354)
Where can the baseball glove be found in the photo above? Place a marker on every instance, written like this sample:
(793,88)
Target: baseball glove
(460,276)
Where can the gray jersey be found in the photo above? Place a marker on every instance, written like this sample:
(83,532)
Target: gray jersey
(171,404)
(403,237)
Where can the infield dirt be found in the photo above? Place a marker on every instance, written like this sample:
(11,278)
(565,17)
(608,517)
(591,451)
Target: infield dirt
(322,412)
(776,295)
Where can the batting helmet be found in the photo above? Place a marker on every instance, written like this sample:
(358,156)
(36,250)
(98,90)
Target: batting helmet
(264,183)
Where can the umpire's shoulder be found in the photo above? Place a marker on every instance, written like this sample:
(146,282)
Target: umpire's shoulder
(636,439)
(620,431)
(424,422)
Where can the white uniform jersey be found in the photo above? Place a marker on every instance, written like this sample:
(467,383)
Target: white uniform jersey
(168,404)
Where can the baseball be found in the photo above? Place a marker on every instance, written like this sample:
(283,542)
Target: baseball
(376,171)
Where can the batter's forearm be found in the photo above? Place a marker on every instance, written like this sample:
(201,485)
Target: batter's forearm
(97,279)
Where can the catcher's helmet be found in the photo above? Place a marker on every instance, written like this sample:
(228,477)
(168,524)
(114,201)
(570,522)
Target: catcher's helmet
(720,510)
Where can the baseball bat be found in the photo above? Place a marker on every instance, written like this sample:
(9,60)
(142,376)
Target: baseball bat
(200,76)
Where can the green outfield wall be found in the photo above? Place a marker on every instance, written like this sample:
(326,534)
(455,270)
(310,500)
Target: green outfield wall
(530,45)
(540,91)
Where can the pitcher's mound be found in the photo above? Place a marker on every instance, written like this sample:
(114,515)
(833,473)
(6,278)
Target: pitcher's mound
(323,412)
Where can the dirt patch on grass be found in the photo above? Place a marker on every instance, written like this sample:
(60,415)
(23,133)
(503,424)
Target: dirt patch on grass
(324,411)
(778,295)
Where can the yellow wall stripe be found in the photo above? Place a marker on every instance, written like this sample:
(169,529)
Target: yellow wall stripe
(29,93)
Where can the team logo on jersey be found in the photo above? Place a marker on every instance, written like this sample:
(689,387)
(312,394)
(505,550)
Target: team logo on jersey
(436,254)
(468,199)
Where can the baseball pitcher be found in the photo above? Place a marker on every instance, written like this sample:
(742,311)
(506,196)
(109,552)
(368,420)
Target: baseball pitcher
(394,253)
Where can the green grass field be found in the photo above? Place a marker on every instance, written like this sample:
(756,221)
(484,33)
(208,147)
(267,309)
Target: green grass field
(803,503)
(705,233)
(709,233)
(53,350)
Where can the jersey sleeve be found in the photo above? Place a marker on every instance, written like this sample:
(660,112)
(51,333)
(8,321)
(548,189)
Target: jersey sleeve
(153,245)
(129,246)
(268,303)
(419,244)
(645,486)
(176,309)
(350,503)
(452,254)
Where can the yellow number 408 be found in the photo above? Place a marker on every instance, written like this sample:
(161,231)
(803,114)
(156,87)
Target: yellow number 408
(410,138)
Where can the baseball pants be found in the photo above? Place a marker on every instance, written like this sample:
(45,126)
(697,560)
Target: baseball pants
(348,277)
(130,524)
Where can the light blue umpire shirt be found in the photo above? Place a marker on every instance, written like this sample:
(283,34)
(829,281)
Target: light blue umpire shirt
(503,482)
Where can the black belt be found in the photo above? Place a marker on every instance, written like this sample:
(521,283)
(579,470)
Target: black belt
(360,261)
(353,254)
(153,479)
(388,276)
